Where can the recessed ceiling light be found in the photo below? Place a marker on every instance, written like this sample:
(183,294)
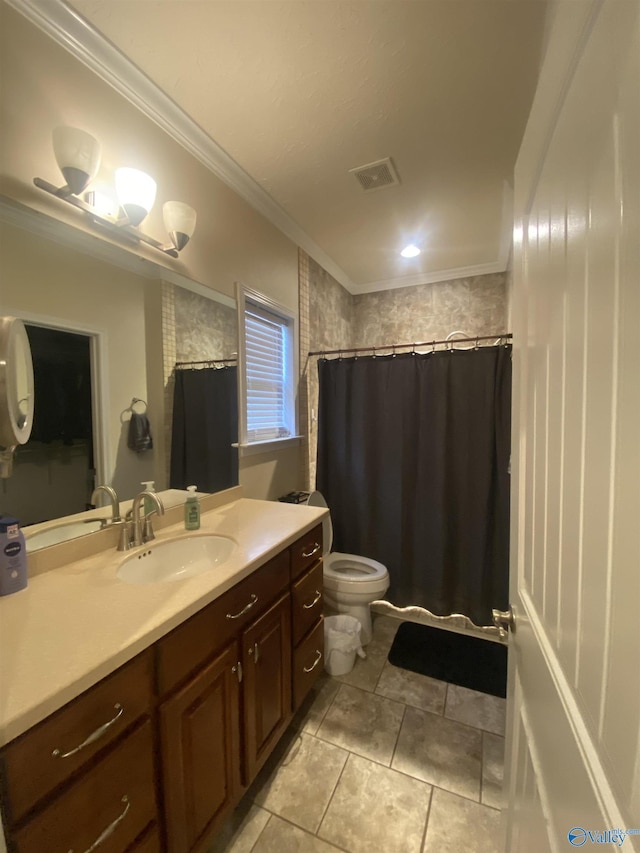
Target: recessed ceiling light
(410,251)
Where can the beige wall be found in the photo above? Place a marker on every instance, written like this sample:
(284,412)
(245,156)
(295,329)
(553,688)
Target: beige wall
(44,86)
(52,285)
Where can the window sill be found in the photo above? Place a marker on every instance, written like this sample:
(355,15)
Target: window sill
(268,446)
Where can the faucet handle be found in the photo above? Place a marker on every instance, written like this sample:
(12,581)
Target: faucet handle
(147,529)
(124,541)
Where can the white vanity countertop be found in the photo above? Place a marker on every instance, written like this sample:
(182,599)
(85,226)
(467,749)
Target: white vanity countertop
(74,625)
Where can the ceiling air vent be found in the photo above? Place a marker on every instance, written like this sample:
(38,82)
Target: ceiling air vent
(376,176)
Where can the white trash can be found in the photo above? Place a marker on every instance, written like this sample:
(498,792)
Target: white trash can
(341,643)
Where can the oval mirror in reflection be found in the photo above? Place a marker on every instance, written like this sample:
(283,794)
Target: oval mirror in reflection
(16,390)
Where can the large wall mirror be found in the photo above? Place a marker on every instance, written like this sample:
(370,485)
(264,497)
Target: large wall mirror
(106,331)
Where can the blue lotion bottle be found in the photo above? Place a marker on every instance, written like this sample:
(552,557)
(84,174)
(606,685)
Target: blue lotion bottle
(13,556)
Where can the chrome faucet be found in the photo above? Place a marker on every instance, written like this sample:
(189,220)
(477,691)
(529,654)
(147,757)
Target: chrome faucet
(141,529)
(113,497)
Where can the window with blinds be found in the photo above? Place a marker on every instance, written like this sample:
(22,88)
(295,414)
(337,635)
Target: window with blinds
(268,374)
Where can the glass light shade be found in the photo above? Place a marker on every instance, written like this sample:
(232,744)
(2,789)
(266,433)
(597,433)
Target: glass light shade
(78,156)
(180,222)
(136,193)
(410,251)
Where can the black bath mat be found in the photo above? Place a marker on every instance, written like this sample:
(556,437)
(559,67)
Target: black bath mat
(467,661)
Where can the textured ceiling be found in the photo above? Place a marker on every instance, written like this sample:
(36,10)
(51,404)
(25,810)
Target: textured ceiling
(300,92)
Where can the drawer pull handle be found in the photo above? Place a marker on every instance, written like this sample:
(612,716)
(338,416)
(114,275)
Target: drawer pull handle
(254,598)
(314,550)
(238,671)
(314,602)
(94,736)
(315,663)
(111,828)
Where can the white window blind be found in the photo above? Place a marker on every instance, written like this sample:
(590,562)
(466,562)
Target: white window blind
(267,340)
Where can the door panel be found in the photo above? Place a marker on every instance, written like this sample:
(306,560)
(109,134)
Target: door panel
(574,730)
(266,661)
(200,744)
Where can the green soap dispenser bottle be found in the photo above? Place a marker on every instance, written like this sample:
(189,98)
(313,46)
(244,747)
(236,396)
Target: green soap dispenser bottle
(192,510)
(148,486)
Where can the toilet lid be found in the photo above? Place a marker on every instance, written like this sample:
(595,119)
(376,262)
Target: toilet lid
(317,499)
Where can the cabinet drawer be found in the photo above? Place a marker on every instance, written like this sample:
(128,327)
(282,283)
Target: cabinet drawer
(306,551)
(118,794)
(186,649)
(52,751)
(308,663)
(306,599)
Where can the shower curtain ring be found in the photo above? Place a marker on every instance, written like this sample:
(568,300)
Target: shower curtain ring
(477,345)
(374,351)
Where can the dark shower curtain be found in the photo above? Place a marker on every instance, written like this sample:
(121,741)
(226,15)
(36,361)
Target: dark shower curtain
(205,425)
(413,459)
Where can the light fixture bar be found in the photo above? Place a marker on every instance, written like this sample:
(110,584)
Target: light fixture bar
(119,228)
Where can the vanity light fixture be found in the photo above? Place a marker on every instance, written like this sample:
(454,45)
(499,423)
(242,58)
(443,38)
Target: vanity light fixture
(78,156)
(410,251)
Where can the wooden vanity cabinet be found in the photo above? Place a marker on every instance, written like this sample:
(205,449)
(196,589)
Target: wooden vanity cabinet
(225,716)
(185,726)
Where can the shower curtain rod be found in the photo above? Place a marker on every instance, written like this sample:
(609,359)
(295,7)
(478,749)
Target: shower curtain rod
(449,342)
(206,361)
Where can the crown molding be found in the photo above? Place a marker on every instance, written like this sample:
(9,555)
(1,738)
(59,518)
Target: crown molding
(429,278)
(70,30)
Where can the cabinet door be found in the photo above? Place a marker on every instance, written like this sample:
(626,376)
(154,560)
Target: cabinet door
(200,752)
(266,658)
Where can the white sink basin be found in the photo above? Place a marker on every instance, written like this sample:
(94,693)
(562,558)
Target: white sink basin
(176,559)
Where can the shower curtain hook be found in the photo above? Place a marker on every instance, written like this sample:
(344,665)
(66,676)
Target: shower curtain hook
(433,345)
(374,351)
(393,351)
(477,345)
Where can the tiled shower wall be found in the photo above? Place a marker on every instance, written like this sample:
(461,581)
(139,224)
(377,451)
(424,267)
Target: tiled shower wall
(194,328)
(336,319)
(330,326)
(426,312)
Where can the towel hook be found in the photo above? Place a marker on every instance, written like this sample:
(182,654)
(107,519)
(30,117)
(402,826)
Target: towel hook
(131,410)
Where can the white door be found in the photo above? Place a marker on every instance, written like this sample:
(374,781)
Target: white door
(573,753)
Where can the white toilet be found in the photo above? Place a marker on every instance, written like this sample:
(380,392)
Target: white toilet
(351,582)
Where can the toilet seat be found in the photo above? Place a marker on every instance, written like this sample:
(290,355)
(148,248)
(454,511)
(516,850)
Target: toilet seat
(346,573)
(353,567)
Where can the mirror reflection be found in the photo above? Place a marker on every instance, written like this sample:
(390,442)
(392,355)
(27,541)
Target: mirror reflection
(102,335)
(16,390)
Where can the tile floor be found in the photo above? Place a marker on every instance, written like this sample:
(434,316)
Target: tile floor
(383,760)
